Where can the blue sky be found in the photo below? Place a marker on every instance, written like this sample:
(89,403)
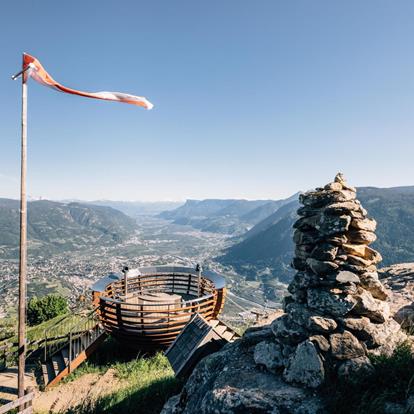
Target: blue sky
(253,99)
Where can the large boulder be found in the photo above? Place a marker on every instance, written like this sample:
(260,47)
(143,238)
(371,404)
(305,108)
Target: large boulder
(230,381)
(305,366)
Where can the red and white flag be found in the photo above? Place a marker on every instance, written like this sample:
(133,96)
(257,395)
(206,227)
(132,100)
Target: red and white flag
(39,74)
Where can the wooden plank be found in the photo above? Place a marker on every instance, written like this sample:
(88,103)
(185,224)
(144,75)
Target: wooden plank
(228,335)
(27,410)
(16,403)
(214,323)
(220,328)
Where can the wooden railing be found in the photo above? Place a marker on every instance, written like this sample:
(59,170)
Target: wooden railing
(5,354)
(68,331)
(22,404)
(147,324)
(84,334)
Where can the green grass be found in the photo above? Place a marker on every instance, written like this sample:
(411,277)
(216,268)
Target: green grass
(392,380)
(35,334)
(146,382)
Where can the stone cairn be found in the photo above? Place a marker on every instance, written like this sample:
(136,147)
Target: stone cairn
(337,312)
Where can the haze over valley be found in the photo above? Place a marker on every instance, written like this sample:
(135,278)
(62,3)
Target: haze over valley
(71,244)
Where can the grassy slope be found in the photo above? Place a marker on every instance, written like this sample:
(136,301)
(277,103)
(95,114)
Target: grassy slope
(149,381)
(35,334)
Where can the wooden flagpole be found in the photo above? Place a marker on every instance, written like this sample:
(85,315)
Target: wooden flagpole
(23,243)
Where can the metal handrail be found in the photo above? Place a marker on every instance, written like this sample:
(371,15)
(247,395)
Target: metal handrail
(68,331)
(83,334)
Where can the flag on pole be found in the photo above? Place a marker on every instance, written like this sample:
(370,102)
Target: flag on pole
(37,72)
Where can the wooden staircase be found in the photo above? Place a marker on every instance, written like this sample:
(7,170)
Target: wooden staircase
(223,330)
(75,344)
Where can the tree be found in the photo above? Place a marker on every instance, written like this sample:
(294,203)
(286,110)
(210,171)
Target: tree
(42,309)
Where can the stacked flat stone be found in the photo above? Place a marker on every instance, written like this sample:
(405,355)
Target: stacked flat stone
(337,312)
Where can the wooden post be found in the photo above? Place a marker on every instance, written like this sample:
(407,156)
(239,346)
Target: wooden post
(125,271)
(23,244)
(198,270)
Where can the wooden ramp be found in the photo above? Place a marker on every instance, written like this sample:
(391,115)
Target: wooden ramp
(61,358)
(198,339)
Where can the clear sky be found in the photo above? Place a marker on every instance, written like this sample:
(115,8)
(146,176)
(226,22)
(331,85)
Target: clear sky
(253,99)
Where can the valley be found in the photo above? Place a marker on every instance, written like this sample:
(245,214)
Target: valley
(154,241)
(250,242)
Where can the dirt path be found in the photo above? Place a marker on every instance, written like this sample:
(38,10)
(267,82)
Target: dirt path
(8,384)
(85,389)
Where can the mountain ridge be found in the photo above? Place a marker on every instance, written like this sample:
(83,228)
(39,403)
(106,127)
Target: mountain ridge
(392,208)
(55,227)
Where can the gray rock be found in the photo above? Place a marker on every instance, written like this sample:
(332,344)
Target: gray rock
(269,354)
(324,252)
(307,223)
(254,335)
(299,313)
(321,324)
(363,251)
(321,342)
(345,346)
(328,303)
(303,251)
(361,236)
(390,345)
(342,208)
(355,366)
(321,268)
(337,239)
(229,381)
(305,366)
(307,211)
(365,224)
(361,327)
(299,264)
(333,186)
(322,198)
(374,309)
(372,334)
(359,261)
(347,277)
(287,331)
(302,281)
(300,237)
(357,269)
(370,282)
(172,406)
(330,225)
(339,178)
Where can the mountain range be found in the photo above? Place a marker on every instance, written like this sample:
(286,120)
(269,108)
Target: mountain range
(233,217)
(55,227)
(269,243)
(139,208)
(260,230)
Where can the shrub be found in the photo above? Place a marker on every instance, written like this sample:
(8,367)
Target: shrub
(42,309)
(390,381)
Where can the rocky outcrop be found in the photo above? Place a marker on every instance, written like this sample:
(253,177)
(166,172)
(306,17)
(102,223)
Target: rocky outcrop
(335,316)
(231,381)
(399,280)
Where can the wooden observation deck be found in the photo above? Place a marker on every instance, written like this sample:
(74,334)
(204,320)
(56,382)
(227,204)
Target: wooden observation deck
(146,308)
